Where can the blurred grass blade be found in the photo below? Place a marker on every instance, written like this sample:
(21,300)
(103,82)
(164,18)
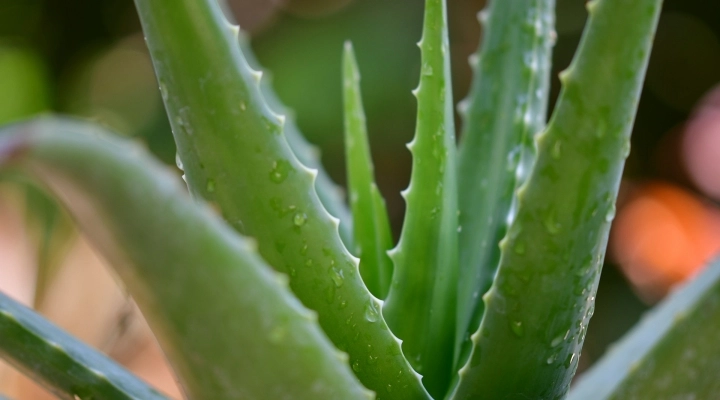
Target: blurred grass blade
(234,154)
(208,296)
(506,107)
(65,366)
(543,295)
(673,353)
(421,305)
(372,227)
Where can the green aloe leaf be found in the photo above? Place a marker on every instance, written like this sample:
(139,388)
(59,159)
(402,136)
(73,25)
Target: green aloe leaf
(673,353)
(372,227)
(226,321)
(62,364)
(330,194)
(505,109)
(235,155)
(421,304)
(542,299)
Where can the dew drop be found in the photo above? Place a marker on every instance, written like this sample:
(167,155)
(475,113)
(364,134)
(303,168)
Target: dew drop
(389,388)
(304,249)
(178,162)
(280,171)
(550,359)
(210,186)
(626,149)
(427,70)
(610,214)
(372,359)
(343,304)
(243,106)
(164,91)
(299,219)
(569,360)
(356,366)
(517,328)
(556,151)
(337,276)
(559,339)
(371,313)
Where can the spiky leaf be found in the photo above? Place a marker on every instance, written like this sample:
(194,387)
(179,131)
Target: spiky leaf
(372,227)
(673,353)
(541,301)
(235,155)
(422,301)
(506,107)
(62,364)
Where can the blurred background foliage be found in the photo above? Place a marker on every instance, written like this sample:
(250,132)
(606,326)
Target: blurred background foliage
(88,58)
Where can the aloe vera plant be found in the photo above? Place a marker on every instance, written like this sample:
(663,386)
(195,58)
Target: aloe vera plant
(490,289)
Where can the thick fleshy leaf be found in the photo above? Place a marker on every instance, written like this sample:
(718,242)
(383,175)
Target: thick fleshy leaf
(505,109)
(65,366)
(228,323)
(673,353)
(372,227)
(235,155)
(541,301)
(422,301)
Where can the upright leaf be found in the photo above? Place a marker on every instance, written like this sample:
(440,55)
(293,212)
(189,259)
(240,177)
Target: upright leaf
(540,303)
(673,353)
(330,194)
(506,107)
(226,321)
(372,227)
(65,366)
(234,154)
(422,301)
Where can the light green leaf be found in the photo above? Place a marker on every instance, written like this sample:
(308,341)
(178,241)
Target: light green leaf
(226,321)
(372,227)
(673,353)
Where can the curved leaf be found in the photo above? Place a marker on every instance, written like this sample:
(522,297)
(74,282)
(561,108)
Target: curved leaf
(228,324)
(673,353)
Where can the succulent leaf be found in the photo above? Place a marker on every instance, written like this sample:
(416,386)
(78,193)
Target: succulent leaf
(226,321)
(505,109)
(542,298)
(372,227)
(421,305)
(330,194)
(62,364)
(235,155)
(673,353)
